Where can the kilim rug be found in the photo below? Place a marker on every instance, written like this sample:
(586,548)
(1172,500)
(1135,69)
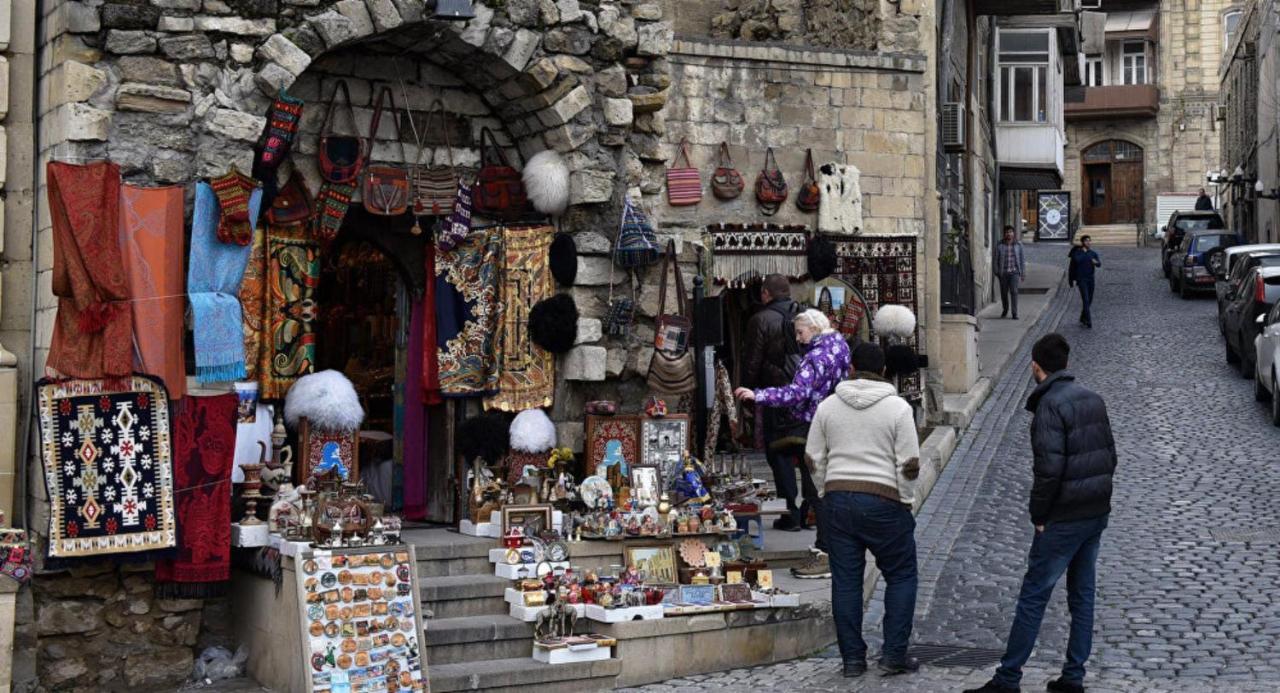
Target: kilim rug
(293,273)
(466,314)
(107,467)
(883,270)
(152,238)
(741,252)
(526,371)
(204,446)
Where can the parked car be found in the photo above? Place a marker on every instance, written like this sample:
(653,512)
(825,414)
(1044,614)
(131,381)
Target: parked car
(1255,296)
(1180,223)
(1190,269)
(1266,383)
(1233,276)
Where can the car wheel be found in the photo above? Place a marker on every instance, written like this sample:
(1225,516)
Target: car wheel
(1214,259)
(1260,393)
(1231,354)
(1246,363)
(1275,401)
(1173,285)
(1183,291)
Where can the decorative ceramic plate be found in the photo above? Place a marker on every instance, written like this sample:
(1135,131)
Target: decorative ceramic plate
(728,550)
(557,552)
(693,552)
(594,489)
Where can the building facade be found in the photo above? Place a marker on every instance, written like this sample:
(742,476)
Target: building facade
(1249,119)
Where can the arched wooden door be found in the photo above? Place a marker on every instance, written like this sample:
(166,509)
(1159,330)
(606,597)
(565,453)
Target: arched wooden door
(1112,183)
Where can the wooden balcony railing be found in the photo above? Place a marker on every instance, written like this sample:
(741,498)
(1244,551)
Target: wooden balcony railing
(1116,101)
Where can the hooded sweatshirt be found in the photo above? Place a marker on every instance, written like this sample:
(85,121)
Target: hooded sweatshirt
(863,439)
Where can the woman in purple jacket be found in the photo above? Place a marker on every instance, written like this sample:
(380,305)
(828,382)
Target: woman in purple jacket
(826,362)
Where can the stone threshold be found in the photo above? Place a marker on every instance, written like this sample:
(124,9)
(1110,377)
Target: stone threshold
(799,55)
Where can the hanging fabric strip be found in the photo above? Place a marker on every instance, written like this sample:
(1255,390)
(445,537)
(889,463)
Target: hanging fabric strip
(293,274)
(213,287)
(526,371)
(151,237)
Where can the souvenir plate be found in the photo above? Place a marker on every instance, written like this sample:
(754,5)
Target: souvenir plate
(593,489)
(557,552)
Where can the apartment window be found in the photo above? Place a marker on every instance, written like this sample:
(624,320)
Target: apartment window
(1134,64)
(1230,22)
(1093,71)
(1024,62)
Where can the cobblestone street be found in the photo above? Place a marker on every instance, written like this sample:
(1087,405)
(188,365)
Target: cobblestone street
(1178,609)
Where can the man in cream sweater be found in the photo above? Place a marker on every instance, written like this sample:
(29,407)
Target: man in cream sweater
(865,454)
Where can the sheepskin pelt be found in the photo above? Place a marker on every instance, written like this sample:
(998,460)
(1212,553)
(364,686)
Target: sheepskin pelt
(532,431)
(893,320)
(564,259)
(840,208)
(900,359)
(822,258)
(546,180)
(553,323)
(485,436)
(328,401)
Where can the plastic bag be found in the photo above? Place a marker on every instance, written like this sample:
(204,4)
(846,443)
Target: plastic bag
(217,663)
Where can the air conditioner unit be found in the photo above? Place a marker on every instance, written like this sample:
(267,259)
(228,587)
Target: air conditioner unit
(1090,4)
(953,126)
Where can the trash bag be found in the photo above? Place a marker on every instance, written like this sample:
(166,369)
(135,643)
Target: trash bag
(217,663)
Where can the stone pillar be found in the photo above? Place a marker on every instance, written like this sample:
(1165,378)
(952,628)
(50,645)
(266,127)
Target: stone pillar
(960,344)
(931,291)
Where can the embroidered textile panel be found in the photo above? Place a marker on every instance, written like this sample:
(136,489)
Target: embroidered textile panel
(526,371)
(293,273)
(467,314)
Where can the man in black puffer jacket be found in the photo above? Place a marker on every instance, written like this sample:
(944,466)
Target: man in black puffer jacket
(1075,457)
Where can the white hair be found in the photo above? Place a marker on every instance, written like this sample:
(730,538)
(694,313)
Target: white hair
(816,319)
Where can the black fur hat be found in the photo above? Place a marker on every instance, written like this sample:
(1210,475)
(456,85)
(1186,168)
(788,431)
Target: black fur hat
(564,259)
(486,436)
(822,258)
(900,359)
(553,323)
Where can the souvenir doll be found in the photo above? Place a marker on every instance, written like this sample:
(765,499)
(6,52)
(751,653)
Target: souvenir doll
(631,576)
(649,527)
(633,526)
(690,482)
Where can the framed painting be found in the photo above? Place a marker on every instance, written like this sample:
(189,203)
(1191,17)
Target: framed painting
(327,451)
(532,519)
(663,443)
(657,562)
(698,595)
(646,485)
(613,445)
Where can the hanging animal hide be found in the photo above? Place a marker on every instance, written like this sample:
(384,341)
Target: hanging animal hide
(840,209)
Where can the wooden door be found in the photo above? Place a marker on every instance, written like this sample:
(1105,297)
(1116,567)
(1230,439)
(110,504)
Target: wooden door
(1097,194)
(1126,192)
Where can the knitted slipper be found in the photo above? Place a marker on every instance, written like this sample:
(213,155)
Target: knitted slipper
(233,191)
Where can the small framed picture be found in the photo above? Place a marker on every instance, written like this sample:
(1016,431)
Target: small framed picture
(764,579)
(698,595)
(736,592)
(657,562)
(646,485)
(663,443)
(613,446)
(531,519)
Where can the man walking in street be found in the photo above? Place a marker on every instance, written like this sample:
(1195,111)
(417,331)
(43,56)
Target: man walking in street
(1084,260)
(865,454)
(1010,268)
(1075,458)
(1203,202)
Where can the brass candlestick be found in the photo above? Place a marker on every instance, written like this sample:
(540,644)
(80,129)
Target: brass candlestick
(250,492)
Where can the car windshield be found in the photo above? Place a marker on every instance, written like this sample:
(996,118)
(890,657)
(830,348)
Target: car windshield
(1203,243)
(1199,223)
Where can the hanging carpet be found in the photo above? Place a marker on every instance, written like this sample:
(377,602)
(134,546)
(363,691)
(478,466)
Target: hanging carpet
(526,371)
(151,237)
(107,467)
(741,252)
(253,296)
(93,332)
(466,314)
(213,286)
(204,445)
(288,349)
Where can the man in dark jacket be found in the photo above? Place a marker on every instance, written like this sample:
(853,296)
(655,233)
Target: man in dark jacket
(1204,202)
(767,355)
(1075,457)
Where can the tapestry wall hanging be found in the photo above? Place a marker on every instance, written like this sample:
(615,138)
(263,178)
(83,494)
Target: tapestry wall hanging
(288,349)
(466,314)
(151,238)
(883,270)
(526,371)
(613,445)
(107,467)
(741,252)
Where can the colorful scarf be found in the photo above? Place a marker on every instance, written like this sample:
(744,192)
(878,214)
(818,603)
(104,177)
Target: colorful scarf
(107,466)
(213,287)
(526,371)
(430,357)
(332,203)
(233,191)
(204,443)
(93,332)
(282,126)
(288,349)
(151,237)
(466,315)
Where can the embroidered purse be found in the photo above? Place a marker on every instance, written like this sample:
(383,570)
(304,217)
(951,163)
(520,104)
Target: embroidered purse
(277,137)
(670,374)
(435,187)
(341,156)
(499,191)
(617,321)
(637,244)
(458,224)
(672,329)
(809,196)
(684,184)
(292,203)
(385,188)
(332,204)
(771,186)
(726,182)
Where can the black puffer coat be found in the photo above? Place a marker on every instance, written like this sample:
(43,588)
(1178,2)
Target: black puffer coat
(766,347)
(1075,453)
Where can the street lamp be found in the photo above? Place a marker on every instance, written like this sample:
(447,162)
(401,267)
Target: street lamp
(1262,192)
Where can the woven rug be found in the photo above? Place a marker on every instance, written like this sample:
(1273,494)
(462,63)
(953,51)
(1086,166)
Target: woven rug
(883,270)
(204,446)
(466,315)
(741,252)
(293,273)
(526,371)
(107,467)
(152,236)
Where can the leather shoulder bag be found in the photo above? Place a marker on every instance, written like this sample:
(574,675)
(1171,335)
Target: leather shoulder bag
(341,156)
(292,203)
(726,182)
(671,370)
(499,192)
(386,188)
(809,195)
(771,186)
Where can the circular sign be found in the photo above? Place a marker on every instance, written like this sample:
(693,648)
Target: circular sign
(1053,217)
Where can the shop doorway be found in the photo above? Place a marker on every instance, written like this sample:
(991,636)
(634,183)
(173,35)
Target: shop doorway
(1112,183)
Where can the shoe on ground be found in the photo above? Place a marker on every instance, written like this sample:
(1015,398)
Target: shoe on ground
(910,665)
(993,687)
(1059,685)
(1004,313)
(786,524)
(1015,316)
(853,670)
(816,568)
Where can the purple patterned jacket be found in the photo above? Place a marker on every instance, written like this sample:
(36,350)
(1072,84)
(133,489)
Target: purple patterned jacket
(825,364)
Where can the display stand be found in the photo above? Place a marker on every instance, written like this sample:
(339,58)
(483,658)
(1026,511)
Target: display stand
(595,612)
(512,571)
(250,536)
(564,655)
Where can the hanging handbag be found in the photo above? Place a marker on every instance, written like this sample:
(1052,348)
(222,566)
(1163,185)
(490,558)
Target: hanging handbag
(293,202)
(457,225)
(637,244)
(341,156)
(726,182)
(671,375)
(499,192)
(385,188)
(684,184)
(436,186)
(672,329)
(771,186)
(809,195)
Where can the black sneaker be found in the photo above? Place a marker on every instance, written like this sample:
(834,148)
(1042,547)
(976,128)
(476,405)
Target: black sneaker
(786,524)
(1059,685)
(993,687)
(853,670)
(909,665)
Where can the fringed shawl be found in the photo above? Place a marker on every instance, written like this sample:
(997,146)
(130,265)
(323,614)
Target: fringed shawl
(213,286)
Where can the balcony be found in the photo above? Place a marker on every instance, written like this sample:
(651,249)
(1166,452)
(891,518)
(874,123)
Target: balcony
(1011,8)
(1031,147)
(1115,101)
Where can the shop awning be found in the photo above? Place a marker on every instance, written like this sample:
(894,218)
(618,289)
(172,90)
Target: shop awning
(1029,179)
(1139,24)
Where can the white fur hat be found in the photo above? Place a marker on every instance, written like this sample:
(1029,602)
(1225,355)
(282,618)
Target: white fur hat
(328,401)
(532,431)
(546,180)
(893,320)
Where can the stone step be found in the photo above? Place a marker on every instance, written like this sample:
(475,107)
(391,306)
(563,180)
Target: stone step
(477,638)
(1113,235)
(444,553)
(520,673)
(464,595)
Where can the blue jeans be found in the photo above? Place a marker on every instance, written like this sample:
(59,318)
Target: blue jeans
(854,523)
(1086,298)
(1063,547)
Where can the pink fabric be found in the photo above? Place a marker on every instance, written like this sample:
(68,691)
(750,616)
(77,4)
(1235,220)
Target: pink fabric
(415,423)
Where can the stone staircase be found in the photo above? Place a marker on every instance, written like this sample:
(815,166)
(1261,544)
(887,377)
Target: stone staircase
(1111,235)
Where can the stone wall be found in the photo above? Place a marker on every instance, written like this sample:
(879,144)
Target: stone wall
(849,24)
(1140,131)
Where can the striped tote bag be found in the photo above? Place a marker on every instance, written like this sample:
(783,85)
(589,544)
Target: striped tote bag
(684,184)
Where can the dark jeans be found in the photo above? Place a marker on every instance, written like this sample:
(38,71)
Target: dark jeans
(1009,292)
(1086,299)
(856,522)
(1063,547)
(784,464)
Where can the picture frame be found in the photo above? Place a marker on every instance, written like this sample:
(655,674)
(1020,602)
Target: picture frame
(613,446)
(698,595)
(534,518)
(737,592)
(658,561)
(646,485)
(316,445)
(664,442)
